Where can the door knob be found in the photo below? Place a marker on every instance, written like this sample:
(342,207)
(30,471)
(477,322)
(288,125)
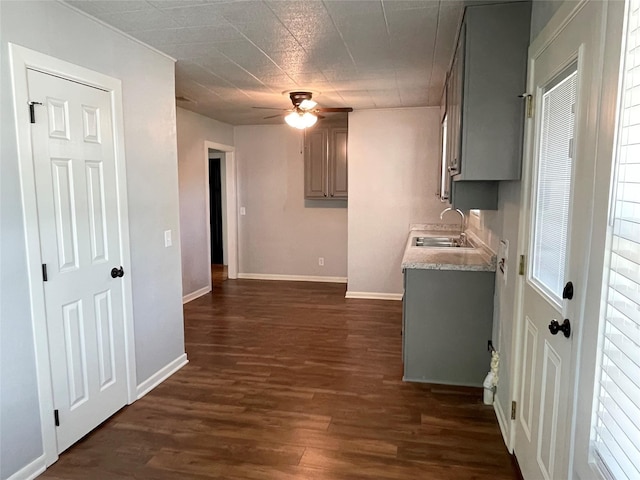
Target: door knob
(117,272)
(565,328)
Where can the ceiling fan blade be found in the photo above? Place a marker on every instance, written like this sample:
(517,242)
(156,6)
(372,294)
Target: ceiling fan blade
(274,116)
(334,109)
(320,117)
(272,108)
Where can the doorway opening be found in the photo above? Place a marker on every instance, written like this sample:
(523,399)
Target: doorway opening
(222,212)
(218,216)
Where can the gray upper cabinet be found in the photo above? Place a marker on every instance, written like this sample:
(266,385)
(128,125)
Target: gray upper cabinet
(325,163)
(493,47)
(338,162)
(484,113)
(315,163)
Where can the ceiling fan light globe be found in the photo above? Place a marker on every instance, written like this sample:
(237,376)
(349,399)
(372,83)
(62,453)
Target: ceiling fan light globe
(307,104)
(301,120)
(309,119)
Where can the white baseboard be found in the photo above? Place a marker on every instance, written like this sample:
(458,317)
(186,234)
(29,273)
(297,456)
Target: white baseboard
(291,278)
(502,421)
(161,375)
(374,295)
(32,470)
(197,294)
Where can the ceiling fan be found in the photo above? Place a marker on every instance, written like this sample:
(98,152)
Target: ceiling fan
(305,111)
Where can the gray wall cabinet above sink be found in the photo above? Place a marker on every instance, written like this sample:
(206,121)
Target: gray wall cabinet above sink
(485,115)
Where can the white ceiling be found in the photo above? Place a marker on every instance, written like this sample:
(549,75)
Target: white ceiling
(235,54)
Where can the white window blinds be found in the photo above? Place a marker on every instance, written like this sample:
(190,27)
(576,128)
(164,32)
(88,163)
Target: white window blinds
(553,184)
(617,426)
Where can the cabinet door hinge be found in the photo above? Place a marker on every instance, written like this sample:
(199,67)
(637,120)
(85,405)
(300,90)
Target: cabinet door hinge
(32,111)
(521,265)
(56,418)
(513,410)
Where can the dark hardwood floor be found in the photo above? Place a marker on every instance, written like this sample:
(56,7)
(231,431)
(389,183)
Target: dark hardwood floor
(291,381)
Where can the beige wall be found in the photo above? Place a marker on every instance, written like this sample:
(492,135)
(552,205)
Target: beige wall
(393,175)
(492,226)
(193,131)
(278,235)
(152,185)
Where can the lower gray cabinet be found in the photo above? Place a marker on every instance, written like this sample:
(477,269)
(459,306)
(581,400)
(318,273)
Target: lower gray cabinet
(447,321)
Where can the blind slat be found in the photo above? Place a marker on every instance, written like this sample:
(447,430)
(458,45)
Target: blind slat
(626,347)
(626,327)
(621,467)
(620,437)
(618,385)
(621,418)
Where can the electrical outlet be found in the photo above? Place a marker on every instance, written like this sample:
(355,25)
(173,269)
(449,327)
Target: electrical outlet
(243,211)
(167,238)
(321,261)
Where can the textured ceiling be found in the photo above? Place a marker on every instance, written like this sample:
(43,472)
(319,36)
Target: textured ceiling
(233,55)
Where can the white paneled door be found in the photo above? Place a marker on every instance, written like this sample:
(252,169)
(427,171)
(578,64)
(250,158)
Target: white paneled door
(75,174)
(564,81)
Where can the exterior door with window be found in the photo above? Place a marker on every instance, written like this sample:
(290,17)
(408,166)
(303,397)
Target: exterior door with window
(563,80)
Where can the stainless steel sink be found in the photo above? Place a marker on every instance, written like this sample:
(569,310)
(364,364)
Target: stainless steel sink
(440,242)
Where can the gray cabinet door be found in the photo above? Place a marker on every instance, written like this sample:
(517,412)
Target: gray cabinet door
(495,39)
(315,163)
(338,181)
(457,98)
(448,319)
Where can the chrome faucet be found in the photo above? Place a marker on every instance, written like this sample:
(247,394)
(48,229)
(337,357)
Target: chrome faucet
(462,217)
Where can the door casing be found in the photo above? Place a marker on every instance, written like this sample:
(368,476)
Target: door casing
(231,204)
(21,59)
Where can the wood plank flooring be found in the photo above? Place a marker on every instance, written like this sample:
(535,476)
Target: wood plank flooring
(290,380)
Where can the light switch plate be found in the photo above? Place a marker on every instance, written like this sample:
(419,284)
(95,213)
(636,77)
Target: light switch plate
(167,238)
(243,211)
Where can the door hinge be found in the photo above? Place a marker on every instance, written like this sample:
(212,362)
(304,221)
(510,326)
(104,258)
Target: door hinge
(521,265)
(32,111)
(528,98)
(44,272)
(513,410)
(56,417)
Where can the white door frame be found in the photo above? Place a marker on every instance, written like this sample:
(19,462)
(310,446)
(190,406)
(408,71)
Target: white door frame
(20,60)
(232,206)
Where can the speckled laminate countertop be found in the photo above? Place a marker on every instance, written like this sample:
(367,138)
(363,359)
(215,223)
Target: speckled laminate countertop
(479,259)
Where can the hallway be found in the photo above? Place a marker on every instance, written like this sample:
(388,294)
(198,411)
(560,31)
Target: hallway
(288,380)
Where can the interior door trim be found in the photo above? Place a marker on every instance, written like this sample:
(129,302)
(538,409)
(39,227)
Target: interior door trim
(21,59)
